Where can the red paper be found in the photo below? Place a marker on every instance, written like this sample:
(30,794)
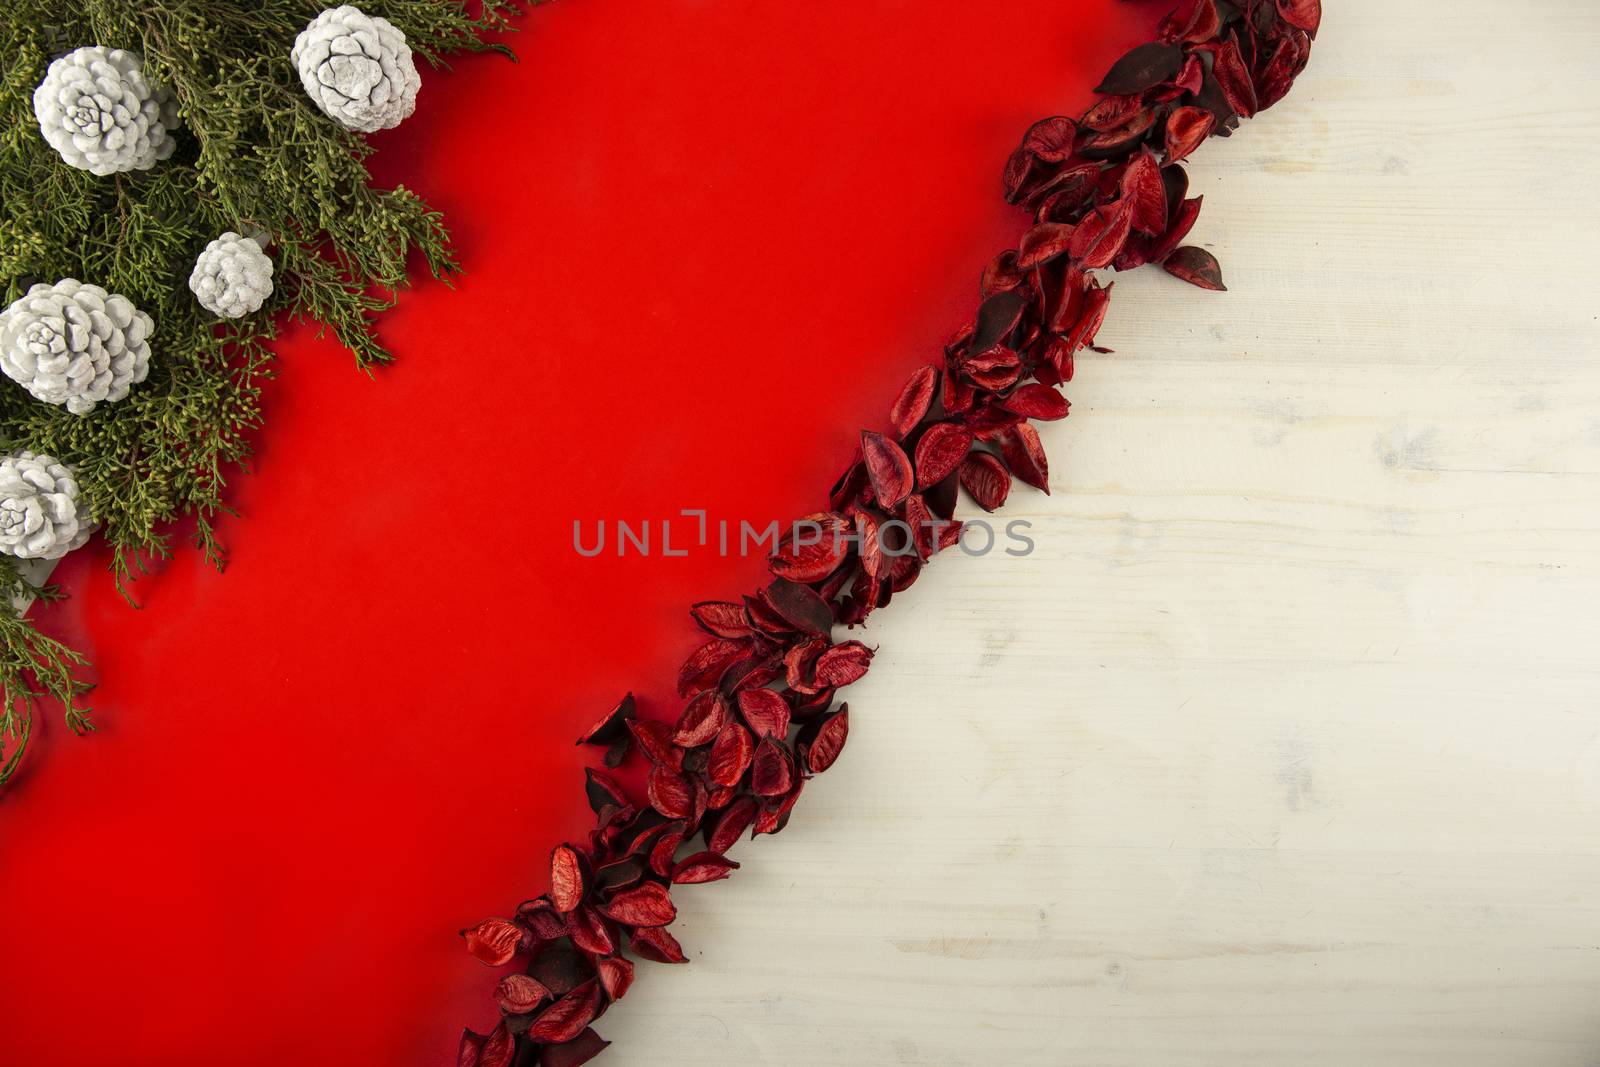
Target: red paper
(705,244)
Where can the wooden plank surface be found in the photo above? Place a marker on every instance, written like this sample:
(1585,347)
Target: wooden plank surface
(1284,746)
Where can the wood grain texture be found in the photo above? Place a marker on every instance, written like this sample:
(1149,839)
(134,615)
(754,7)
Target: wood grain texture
(1284,746)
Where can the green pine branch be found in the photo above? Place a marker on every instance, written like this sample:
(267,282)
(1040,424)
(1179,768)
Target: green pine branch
(253,152)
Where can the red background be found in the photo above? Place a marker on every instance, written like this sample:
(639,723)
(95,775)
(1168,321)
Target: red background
(705,243)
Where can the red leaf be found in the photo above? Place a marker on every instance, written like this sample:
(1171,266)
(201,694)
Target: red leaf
(772,772)
(940,451)
(986,479)
(580,1050)
(734,822)
(721,619)
(888,468)
(1089,321)
(703,867)
(1101,235)
(588,931)
(1304,14)
(470,1051)
(669,793)
(1024,455)
(706,664)
(829,741)
(616,975)
(602,791)
(766,711)
(494,941)
(912,405)
(701,721)
(655,741)
(1038,401)
(813,550)
(518,994)
(1233,77)
(730,755)
(566,878)
(802,606)
(1043,243)
(1143,68)
(498,1047)
(1178,229)
(567,1017)
(1197,267)
(654,943)
(842,664)
(1187,129)
(611,726)
(1050,140)
(646,904)
(1142,188)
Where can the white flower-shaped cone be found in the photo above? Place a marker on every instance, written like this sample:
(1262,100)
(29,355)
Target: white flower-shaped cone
(96,109)
(40,513)
(357,68)
(75,344)
(232,277)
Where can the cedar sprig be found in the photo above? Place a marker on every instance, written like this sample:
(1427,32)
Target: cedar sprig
(253,152)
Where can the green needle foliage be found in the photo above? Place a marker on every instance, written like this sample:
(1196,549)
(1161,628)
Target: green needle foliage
(253,153)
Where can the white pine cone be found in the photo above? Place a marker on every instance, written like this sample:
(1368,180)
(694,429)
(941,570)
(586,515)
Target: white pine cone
(41,516)
(96,109)
(358,69)
(75,344)
(232,277)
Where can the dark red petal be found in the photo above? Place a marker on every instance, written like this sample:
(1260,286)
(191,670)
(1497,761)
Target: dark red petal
(734,822)
(766,711)
(706,664)
(1305,14)
(655,741)
(888,468)
(1197,267)
(611,725)
(914,400)
(843,664)
(498,1047)
(590,933)
(1038,401)
(721,619)
(1143,68)
(940,451)
(1024,455)
(772,772)
(566,878)
(669,793)
(616,975)
(1101,235)
(1187,129)
(1043,243)
(802,606)
(580,1050)
(703,867)
(701,721)
(730,755)
(654,943)
(986,479)
(829,742)
(518,994)
(813,549)
(1233,77)
(1143,190)
(646,904)
(567,1017)
(602,791)
(494,941)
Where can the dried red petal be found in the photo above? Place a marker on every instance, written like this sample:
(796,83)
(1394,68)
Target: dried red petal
(701,721)
(1043,243)
(655,741)
(1024,455)
(602,791)
(1050,140)
(575,1053)
(1233,77)
(1197,267)
(912,405)
(766,711)
(1037,401)
(646,904)
(986,479)
(734,822)
(669,793)
(887,467)
(616,975)
(1187,129)
(703,867)
(843,664)
(665,852)
(566,878)
(829,742)
(813,550)
(1182,222)
(706,664)
(590,933)
(1100,236)
(567,1017)
(772,771)
(730,755)
(721,619)
(654,943)
(560,967)
(1304,14)
(518,994)
(469,1052)
(611,725)
(801,606)
(498,1047)
(1143,68)
(940,451)
(540,917)
(1142,188)
(494,941)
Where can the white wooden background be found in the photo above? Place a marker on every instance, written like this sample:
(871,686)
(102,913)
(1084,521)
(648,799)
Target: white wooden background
(1285,746)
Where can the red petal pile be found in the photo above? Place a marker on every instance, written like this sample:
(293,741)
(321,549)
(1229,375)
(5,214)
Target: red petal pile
(1105,190)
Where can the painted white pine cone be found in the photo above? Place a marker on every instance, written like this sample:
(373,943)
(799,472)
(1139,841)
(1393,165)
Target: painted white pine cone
(40,513)
(232,277)
(75,344)
(358,69)
(96,109)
